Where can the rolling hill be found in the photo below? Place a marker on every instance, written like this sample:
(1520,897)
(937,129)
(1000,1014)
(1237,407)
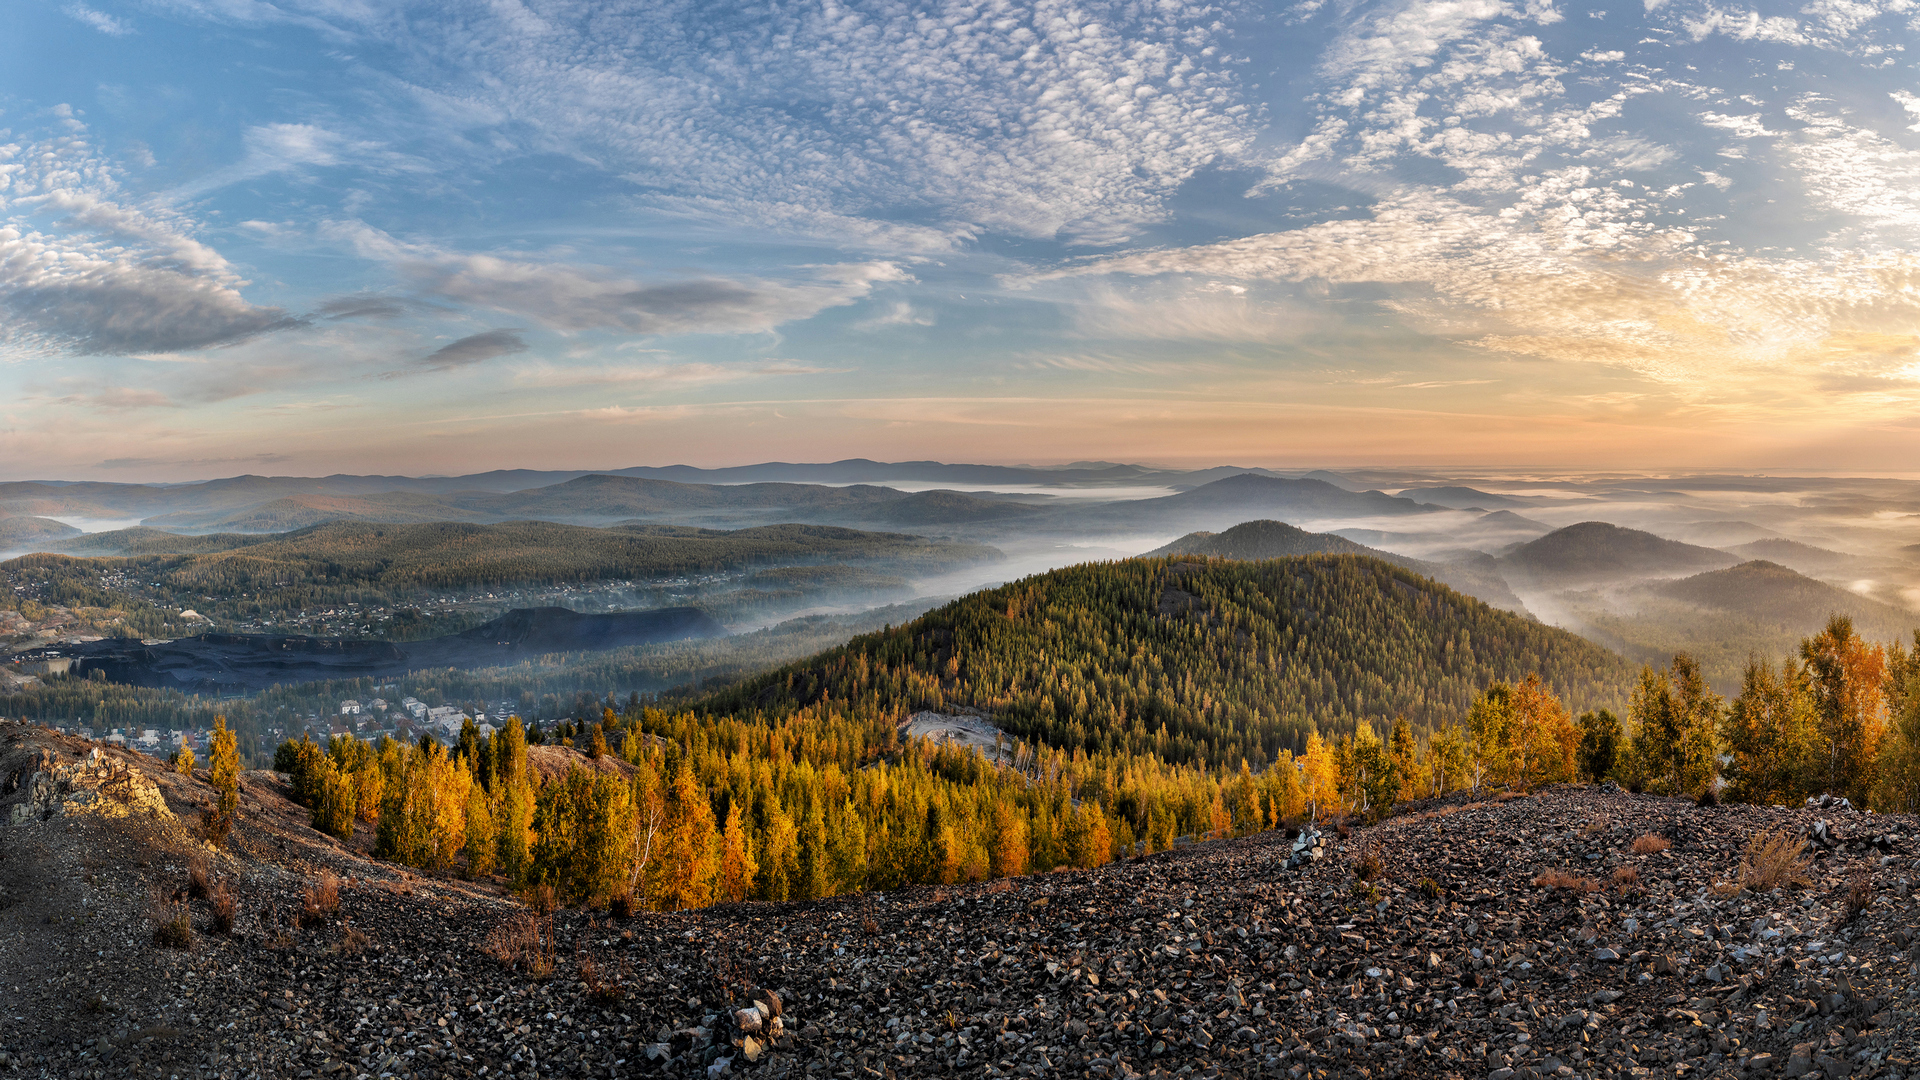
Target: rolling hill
(21,533)
(1804,558)
(1461,498)
(1266,540)
(948,508)
(1722,616)
(1473,574)
(1593,552)
(223,576)
(1211,661)
(301,511)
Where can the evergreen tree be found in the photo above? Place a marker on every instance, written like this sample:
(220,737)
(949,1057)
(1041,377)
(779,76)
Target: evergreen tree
(1771,734)
(1602,743)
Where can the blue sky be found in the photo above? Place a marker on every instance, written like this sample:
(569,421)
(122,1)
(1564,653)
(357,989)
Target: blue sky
(353,236)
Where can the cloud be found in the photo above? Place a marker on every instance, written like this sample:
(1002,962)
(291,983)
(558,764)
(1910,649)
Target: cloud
(860,122)
(898,313)
(65,299)
(99,20)
(112,277)
(475,348)
(120,398)
(575,298)
(362,307)
(675,375)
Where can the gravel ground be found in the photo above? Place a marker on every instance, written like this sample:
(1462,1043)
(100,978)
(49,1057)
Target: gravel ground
(1212,960)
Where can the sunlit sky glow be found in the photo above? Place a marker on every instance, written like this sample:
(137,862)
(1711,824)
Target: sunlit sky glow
(344,235)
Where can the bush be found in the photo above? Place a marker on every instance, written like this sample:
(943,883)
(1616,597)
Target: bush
(1626,878)
(1859,896)
(1650,844)
(523,942)
(322,900)
(172,923)
(1774,861)
(222,900)
(197,880)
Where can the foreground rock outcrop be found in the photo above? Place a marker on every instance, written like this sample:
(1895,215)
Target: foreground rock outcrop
(1518,938)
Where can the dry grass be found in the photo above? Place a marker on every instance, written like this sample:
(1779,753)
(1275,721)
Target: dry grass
(1859,896)
(1368,866)
(541,898)
(1626,879)
(221,898)
(172,922)
(602,990)
(322,900)
(870,925)
(1509,796)
(1774,861)
(1561,879)
(1595,826)
(1000,885)
(1650,844)
(523,942)
(198,882)
(353,942)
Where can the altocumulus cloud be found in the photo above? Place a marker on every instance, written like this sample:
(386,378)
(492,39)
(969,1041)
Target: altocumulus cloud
(117,279)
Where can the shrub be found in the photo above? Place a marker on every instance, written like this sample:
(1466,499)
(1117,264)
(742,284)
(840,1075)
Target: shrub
(322,900)
(541,898)
(1626,878)
(1431,889)
(604,992)
(622,904)
(523,942)
(222,900)
(1859,896)
(197,883)
(172,923)
(1650,844)
(353,942)
(1774,861)
(1368,866)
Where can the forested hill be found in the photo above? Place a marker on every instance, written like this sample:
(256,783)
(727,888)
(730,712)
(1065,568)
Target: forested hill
(1209,660)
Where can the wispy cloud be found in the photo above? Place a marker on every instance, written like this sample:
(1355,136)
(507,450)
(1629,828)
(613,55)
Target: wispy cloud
(99,20)
(475,348)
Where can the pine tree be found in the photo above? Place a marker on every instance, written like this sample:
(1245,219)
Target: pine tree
(1602,741)
(1771,734)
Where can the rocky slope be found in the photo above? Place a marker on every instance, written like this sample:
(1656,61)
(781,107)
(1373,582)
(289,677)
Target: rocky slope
(1216,959)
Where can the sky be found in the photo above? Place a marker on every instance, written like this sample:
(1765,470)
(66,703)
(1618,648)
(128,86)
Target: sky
(353,236)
